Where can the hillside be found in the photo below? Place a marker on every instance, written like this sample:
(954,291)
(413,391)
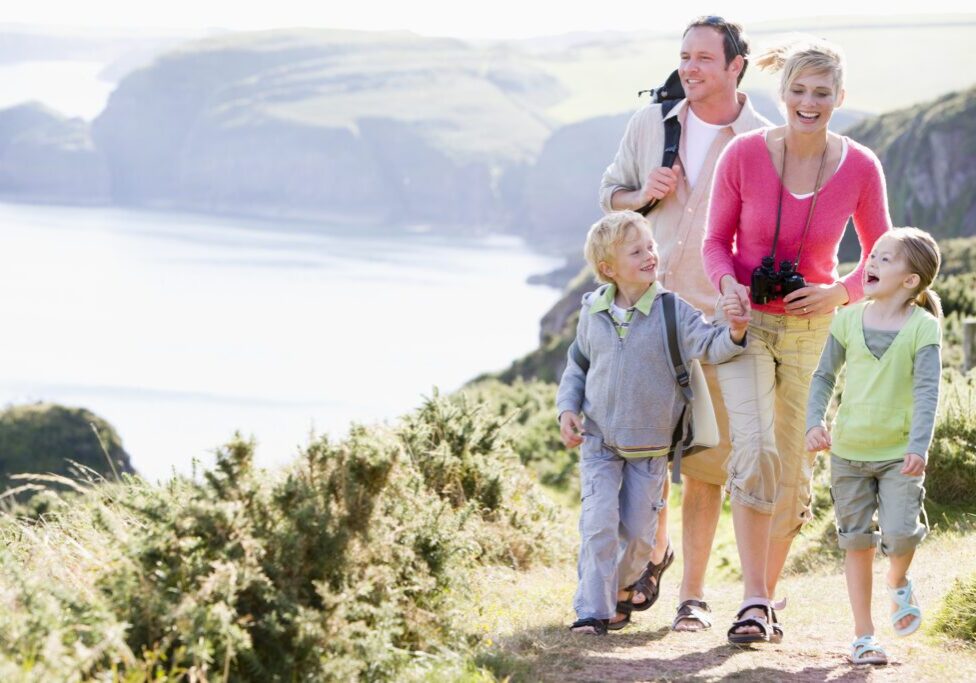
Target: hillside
(398,128)
(928,154)
(46,156)
(389,125)
(44,438)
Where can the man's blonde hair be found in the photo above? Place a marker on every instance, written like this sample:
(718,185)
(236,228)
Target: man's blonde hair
(606,234)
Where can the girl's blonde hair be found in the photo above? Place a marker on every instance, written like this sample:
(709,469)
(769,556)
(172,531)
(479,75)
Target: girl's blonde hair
(801,54)
(606,234)
(922,254)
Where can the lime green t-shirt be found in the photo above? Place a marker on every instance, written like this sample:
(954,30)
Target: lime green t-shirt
(875,415)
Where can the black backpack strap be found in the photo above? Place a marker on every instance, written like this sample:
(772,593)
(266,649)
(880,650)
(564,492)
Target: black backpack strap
(672,138)
(578,357)
(682,436)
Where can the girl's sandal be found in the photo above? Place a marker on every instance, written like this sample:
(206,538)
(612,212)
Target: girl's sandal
(867,650)
(904,597)
(763,623)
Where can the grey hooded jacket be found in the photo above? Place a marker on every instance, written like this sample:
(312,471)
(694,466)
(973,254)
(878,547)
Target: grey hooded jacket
(629,396)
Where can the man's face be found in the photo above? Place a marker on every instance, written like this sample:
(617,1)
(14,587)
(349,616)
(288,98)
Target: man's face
(702,69)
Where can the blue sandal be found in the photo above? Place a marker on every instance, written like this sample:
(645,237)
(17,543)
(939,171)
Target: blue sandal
(867,650)
(903,597)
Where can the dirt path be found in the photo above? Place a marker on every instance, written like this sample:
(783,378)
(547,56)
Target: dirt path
(525,618)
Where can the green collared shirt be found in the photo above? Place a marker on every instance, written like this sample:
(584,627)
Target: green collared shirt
(605,302)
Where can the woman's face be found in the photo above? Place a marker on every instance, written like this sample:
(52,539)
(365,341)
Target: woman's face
(810,101)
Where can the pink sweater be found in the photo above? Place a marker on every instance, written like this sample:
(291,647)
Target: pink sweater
(742,216)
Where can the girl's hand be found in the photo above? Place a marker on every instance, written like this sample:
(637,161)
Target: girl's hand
(914,465)
(570,429)
(818,439)
(815,300)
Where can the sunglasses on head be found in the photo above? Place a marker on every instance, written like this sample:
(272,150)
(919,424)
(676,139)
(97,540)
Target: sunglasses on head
(719,22)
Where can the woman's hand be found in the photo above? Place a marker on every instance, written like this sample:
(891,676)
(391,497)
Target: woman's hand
(814,300)
(818,439)
(570,429)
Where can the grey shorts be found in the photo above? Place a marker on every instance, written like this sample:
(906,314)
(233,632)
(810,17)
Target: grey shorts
(861,488)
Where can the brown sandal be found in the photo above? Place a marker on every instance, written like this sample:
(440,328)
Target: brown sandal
(651,590)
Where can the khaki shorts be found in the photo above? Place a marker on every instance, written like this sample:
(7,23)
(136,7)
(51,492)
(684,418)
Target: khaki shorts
(860,488)
(710,466)
(765,390)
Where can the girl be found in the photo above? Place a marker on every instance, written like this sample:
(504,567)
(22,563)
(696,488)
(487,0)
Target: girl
(880,440)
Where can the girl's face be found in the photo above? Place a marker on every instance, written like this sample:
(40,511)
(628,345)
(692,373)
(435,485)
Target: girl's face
(886,273)
(810,101)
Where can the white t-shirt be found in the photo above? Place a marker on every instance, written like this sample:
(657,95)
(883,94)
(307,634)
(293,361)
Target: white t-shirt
(699,137)
(843,155)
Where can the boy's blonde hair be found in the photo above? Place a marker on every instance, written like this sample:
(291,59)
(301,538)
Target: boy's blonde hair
(921,251)
(803,54)
(606,234)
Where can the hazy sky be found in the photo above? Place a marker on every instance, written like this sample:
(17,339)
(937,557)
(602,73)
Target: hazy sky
(496,19)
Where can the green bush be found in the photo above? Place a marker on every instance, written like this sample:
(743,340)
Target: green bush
(531,410)
(341,566)
(957,615)
(950,476)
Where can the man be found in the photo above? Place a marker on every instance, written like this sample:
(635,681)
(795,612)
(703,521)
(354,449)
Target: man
(714,56)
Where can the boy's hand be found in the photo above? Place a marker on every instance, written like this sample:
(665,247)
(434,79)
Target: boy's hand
(736,310)
(570,429)
(914,465)
(818,439)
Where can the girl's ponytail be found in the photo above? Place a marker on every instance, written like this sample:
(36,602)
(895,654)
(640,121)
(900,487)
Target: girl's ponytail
(922,253)
(930,301)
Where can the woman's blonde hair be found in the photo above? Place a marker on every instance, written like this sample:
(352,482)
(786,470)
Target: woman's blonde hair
(801,54)
(922,254)
(606,234)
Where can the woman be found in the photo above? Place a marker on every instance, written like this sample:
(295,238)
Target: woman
(780,203)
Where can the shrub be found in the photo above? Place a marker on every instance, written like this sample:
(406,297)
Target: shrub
(338,567)
(957,615)
(950,476)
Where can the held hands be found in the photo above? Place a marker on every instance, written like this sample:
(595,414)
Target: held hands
(736,310)
(570,429)
(818,439)
(914,465)
(815,300)
(660,182)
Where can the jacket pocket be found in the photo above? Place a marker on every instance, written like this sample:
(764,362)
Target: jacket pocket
(872,426)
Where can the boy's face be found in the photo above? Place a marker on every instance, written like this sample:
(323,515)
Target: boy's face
(634,261)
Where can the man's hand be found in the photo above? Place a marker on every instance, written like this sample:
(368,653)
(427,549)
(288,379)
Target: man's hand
(660,182)
(914,465)
(818,439)
(570,429)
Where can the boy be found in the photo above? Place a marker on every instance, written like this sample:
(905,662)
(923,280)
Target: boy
(631,405)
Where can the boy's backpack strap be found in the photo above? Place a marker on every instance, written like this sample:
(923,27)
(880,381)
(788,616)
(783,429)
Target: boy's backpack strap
(683,431)
(578,357)
(669,308)
(672,137)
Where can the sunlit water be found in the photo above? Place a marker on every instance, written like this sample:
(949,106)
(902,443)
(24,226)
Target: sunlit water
(72,88)
(180,329)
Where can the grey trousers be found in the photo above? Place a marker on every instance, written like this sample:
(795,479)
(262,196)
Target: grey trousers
(621,498)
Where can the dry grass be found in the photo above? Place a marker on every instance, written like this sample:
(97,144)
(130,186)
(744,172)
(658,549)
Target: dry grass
(523,619)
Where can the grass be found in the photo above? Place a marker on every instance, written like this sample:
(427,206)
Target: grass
(521,619)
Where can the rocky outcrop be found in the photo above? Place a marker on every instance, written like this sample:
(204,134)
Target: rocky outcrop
(929,156)
(45,156)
